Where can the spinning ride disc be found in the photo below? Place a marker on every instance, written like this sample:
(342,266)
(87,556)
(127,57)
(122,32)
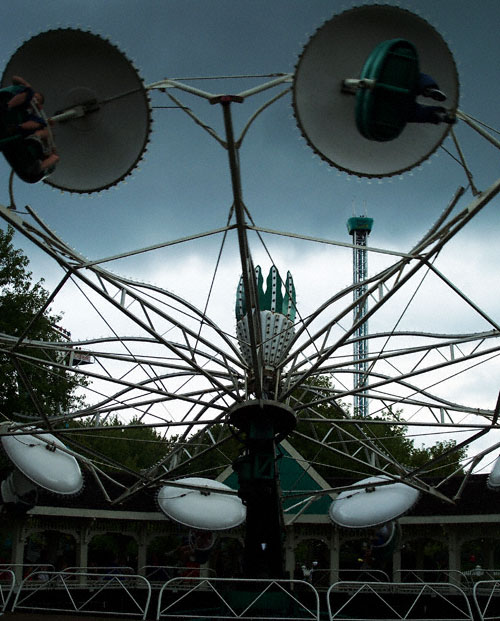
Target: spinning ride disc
(339,51)
(43,463)
(79,69)
(373,504)
(203,508)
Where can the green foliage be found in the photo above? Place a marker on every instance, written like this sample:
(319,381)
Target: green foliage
(199,458)
(135,446)
(26,387)
(334,447)
(444,455)
(341,457)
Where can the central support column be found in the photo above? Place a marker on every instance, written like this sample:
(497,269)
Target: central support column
(248,271)
(263,425)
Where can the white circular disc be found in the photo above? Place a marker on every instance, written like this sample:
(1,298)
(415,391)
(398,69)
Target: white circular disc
(371,506)
(205,509)
(326,116)
(494,478)
(54,470)
(71,67)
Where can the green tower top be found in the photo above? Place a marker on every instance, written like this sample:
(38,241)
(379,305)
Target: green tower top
(359,223)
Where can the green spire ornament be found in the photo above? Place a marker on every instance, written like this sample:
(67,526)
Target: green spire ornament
(277,308)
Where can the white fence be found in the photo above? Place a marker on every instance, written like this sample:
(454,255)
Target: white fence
(390,601)
(105,569)
(486,594)
(104,593)
(323,578)
(159,574)
(7,585)
(23,570)
(226,598)
(452,576)
(204,597)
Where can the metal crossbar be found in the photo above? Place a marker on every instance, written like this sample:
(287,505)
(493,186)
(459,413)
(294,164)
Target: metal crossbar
(227,598)
(486,595)
(409,601)
(112,594)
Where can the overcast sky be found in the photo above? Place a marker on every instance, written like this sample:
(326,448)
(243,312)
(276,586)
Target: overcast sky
(183,187)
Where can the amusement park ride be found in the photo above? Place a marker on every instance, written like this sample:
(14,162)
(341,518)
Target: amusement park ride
(375,93)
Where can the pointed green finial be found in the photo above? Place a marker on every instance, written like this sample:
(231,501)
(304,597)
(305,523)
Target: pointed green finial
(272,299)
(277,307)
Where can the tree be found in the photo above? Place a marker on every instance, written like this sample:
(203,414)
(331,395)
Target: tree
(29,387)
(209,452)
(385,432)
(135,446)
(337,458)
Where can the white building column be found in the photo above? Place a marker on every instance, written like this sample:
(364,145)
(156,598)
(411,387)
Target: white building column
(18,543)
(396,562)
(82,552)
(290,551)
(334,555)
(453,551)
(142,553)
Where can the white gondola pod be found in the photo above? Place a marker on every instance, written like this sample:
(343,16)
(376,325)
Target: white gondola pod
(372,503)
(98,100)
(203,504)
(494,478)
(325,113)
(41,458)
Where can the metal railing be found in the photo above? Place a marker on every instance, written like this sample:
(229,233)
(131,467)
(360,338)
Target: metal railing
(7,585)
(452,576)
(24,570)
(227,598)
(486,595)
(105,569)
(159,574)
(325,577)
(103,593)
(409,601)
(481,573)
(188,597)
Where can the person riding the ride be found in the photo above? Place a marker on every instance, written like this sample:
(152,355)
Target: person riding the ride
(18,99)
(24,135)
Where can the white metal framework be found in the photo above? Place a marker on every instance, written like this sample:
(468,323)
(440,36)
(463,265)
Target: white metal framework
(160,359)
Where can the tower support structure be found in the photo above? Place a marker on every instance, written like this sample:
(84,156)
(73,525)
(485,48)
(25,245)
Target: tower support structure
(359,227)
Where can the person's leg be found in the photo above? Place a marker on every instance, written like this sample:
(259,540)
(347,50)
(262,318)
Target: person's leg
(17,100)
(49,161)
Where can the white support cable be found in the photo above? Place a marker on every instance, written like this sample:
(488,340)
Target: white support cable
(461,158)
